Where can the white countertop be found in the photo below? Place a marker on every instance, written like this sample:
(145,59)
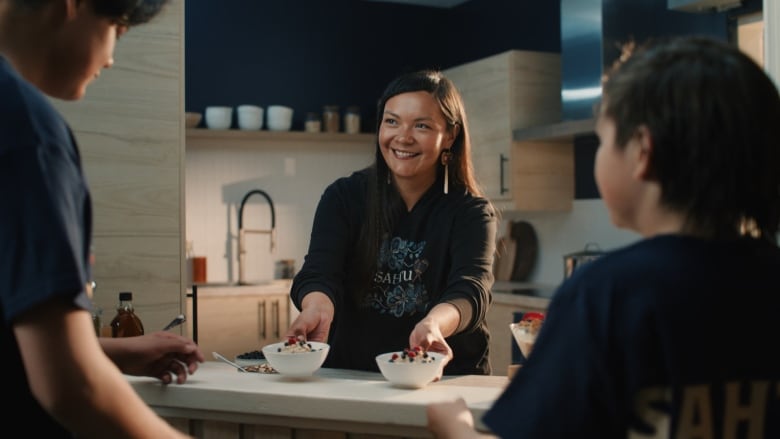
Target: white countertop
(330,397)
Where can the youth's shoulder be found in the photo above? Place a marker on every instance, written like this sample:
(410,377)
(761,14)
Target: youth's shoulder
(29,117)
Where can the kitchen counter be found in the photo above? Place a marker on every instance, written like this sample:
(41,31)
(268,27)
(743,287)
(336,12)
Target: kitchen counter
(218,397)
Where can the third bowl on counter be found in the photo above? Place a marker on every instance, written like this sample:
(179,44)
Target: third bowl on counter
(410,373)
(250,117)
(291,359)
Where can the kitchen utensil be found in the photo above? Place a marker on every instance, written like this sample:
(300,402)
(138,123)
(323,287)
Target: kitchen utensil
(219,118)
(225,360)
(250,117)
(516,252)
(572,261)
(526,247)
(175,322)
(505,259)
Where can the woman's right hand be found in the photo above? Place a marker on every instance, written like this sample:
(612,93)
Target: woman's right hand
(315,318)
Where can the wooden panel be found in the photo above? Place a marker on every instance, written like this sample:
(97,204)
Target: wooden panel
(232,325)
(216,430)
(509,91)
(543,175)
(265,432)
(130,131)
(181,424)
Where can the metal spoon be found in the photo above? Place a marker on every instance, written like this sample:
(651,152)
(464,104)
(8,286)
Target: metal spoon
(223,359)
(175,322)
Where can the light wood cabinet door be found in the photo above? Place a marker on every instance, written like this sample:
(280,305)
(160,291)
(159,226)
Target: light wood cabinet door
(232,325)
(505,92)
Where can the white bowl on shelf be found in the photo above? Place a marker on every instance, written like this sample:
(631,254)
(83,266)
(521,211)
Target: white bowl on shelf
(250,117)
(279,118)
(219,118)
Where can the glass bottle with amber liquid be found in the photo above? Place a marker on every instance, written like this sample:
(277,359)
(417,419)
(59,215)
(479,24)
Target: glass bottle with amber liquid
(126,323)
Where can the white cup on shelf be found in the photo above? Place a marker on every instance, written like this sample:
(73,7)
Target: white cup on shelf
(279,118)
(250,117)
(219,118)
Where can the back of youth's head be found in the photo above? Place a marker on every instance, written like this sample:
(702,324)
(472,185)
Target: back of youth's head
(126,12)
(714,118)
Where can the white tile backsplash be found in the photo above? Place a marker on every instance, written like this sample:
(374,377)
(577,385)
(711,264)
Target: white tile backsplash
(218,178)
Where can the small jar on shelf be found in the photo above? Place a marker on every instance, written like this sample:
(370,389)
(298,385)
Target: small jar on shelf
(352,120)
(330,119)
(313,123)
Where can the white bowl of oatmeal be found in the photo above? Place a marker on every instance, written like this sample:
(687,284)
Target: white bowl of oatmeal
(410,371)
(297,358)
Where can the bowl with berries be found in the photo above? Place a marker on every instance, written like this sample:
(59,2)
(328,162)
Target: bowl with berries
(295,356)
(412,368)
(526,330)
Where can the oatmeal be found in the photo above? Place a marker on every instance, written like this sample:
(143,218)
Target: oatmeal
(413,355)
(295,345)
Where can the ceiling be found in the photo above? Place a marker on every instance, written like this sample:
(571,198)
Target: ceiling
(430,3)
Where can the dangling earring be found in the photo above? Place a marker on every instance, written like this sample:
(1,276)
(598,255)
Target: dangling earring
(446,156)
(389,180)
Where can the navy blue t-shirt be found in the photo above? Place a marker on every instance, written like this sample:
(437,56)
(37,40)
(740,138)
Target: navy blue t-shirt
(45,229)
(668,337)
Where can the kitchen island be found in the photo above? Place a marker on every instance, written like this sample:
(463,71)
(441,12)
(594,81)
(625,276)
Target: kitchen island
(219,401)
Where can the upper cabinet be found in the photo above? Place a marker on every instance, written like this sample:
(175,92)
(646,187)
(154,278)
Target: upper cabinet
(512,91)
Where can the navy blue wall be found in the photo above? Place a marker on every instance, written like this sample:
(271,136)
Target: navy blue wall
(309,53)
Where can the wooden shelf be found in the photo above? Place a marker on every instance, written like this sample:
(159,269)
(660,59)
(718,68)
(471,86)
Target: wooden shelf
(202,137)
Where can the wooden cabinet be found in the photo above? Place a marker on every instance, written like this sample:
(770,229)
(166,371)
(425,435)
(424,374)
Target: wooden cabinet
(506,92)
(129,127)
(238,319)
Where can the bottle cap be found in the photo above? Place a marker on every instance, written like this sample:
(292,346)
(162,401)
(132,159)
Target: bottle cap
(125,296)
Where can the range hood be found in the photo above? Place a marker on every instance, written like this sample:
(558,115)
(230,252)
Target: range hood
(703,5)
(593,33)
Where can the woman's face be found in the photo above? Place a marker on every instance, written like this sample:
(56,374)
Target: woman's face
(412,135)
(85,46)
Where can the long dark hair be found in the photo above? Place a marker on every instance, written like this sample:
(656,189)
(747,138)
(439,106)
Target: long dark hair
(714,116)
(384,204)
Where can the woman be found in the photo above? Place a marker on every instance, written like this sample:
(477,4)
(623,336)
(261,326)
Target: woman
(401,252)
